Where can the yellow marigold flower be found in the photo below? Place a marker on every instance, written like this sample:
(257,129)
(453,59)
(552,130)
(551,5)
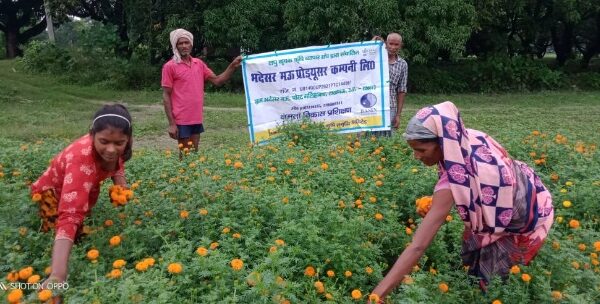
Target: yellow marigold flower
(228,162)
(175,268)
(559,219)
(201,251)
(563,190)
(407,280)
(347,273)
(414,170)
(33,279)
(567,204)
(214,245)
(279,242)
(309,271)
(319,287)
(569,183)
(115,240)
(515,269)
(378,183)
(379,216)
(443,287)
(141,266)
(237,264)
(555,245)
(226,230)
(341,204)
(329,296)
(48,270)
(14,296)
(574,224)
(184,214)
(25,273)
(44,295)
(203,211)
(526,278)
(557,295)
(368,270)
(356,294)
(575,264)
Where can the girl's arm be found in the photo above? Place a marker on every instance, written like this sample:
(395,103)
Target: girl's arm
(60,259)
(440,207)
(120,180)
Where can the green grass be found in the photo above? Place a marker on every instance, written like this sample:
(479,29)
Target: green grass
(37,107)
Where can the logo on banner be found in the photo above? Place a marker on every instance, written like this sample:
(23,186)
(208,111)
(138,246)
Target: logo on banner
(368,101)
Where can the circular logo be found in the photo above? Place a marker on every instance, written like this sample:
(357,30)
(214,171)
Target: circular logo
(368,100)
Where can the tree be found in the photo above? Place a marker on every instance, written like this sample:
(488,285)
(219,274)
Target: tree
(20,20)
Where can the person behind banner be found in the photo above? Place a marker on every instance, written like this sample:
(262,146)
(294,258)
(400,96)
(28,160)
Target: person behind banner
(68,190)
(506,210)
(398,78)
(182,81)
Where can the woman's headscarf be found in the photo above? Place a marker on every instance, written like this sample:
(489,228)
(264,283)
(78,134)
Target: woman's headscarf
(480,172)
(174,37)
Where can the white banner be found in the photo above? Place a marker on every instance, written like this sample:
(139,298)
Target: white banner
(345,86)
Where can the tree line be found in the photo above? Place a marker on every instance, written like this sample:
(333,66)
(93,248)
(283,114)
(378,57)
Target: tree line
(433,30)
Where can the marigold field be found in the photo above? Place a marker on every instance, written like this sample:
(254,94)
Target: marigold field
(311,218)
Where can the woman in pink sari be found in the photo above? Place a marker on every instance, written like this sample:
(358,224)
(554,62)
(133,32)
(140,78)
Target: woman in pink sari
(506,210)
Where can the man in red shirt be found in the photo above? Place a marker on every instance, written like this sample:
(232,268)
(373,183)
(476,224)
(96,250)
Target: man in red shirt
(182,81)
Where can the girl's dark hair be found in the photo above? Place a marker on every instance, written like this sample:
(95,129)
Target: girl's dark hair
(428,140)
(102,123)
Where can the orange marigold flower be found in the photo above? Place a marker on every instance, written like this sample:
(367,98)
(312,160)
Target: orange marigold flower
(201,251)
(33,279)
(497,302)
(238,165)
(324,166)
(203,211)
(330,273)
(114,274)
(36,197)
(214,245)
(574,224)
(423,205)
(309,271)
(443,287)
(14,296)
(374,298)
(115,240)
(108,223)
(237,264)
(379,216)
(141,266)
(226,230)
(408,231)
(597,246)
(368,270)
(184,214)
(236,235)
(119,263)
(175,268)
(279,242)
(25,273)
(515,269)
(557,295)
(581,247)
(44,295)
(526,278)
(319,287)
(356,294)
(273,249)
(347,273)
(12,276)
